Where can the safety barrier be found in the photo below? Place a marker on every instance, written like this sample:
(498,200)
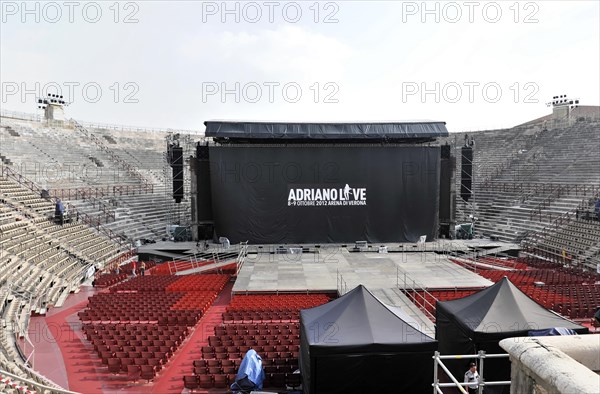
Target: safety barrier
(481,356)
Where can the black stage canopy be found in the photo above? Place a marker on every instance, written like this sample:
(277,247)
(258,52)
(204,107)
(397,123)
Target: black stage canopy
(480,321)
(324,131)
(357,344)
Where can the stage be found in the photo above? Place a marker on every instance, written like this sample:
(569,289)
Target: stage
(339,269)
(170,250)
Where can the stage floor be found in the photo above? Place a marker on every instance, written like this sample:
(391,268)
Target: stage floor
(338,269)
(335,269)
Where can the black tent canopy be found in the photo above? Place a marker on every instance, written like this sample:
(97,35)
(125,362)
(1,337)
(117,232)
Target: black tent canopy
(358,344)
(254,130)
(480,321)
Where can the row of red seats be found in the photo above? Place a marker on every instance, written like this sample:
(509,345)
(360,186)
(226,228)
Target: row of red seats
(147,283)
(128,268)
(156,318)
(127,328)
(282,346)
(101,299)
(276,302)
(567,291)
(223,381)
(575,311)
(252,340)
(544,296)
(529,277)
(176,333)
(118,343)
(164,351)
(257,329)
(213,282)
(216,366)
(146,306)
(248,324)
(197,300)
(260,316)
(135,368)
(427,301)
(446,295)
(106,280)
(532,261)
(143,299)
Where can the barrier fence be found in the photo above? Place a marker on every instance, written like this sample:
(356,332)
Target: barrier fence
(31,383)
(481,356)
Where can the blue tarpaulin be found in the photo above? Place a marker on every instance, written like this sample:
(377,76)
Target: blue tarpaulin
(551,332)
(250,376)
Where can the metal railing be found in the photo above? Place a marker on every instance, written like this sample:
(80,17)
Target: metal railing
(131,170)
(21,115)
(563,190)
(341,285)
(481,384)
(202,260)
(85,218)
(241,259)
(194,261)
(413,291)
(97,125)
(534,240)
(55,389)
(82,193)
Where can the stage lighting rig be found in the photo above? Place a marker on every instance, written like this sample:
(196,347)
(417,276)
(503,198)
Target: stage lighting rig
(563,101)
(51,99)
(53,106)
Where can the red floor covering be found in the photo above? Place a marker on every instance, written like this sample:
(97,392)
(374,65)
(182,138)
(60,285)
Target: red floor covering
(171,380)
(44,335)
(83,368)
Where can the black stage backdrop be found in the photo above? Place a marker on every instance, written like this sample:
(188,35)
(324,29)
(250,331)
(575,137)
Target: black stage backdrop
(325,194)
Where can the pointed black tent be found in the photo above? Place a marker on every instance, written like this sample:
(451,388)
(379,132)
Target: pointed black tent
(480,321)
(357,344)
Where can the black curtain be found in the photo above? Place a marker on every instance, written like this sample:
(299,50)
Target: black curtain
(390,193)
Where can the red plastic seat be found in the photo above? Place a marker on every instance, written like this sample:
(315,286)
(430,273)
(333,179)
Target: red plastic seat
(105,355)
(133,372)
(230,369)
(125,362)
(114,365)
(191,382)
(220,381)
(214,370)
(205,381)
(156,363)
(148,372)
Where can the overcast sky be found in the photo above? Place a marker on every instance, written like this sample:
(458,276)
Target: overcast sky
(475,65)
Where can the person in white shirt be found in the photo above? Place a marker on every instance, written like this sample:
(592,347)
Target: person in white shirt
(472,377)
